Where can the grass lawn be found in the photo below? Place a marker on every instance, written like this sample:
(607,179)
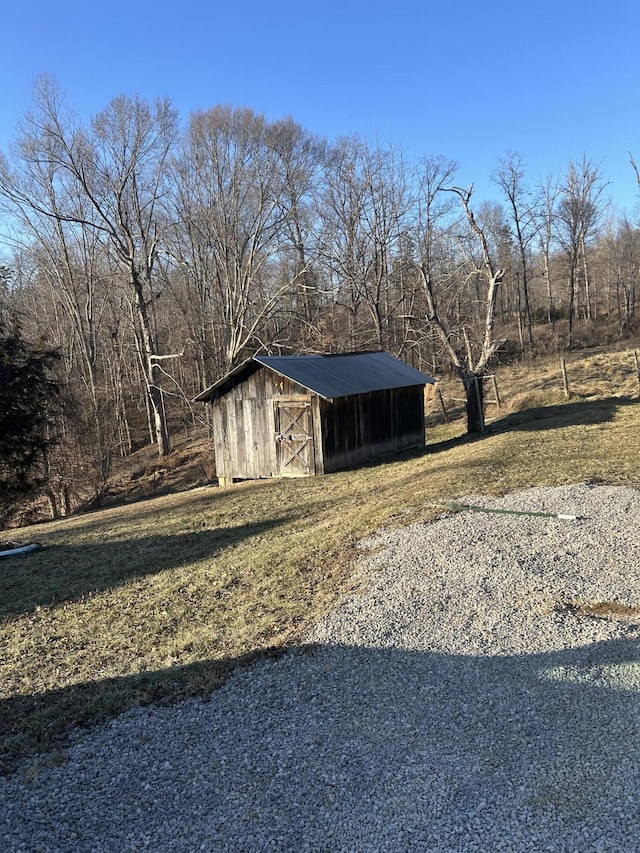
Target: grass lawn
(158,600)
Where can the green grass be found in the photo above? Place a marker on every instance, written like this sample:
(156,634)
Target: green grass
(159,600)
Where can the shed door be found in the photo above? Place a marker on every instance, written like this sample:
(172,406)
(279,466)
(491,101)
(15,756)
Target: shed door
(294,438)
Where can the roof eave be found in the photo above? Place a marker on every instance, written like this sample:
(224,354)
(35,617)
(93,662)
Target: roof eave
(222,386)
(209,393)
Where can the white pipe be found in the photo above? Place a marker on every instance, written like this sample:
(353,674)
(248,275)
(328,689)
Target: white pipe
(22,549)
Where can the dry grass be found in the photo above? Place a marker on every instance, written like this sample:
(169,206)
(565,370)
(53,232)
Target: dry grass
(611,610)
(159,600)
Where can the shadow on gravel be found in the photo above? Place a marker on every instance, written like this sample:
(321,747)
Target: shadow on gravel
(57,574)
(353,734)
(42,722)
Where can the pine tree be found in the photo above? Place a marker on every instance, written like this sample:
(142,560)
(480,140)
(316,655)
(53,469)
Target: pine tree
(29,406)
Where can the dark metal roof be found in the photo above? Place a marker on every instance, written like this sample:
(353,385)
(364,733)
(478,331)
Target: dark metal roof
(329,376)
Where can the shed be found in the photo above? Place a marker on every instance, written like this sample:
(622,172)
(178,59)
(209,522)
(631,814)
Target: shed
(297,415)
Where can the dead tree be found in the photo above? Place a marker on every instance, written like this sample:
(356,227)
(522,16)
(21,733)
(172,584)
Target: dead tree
(469,357)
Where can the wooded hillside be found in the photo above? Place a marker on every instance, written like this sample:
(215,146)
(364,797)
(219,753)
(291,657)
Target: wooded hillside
(155,255)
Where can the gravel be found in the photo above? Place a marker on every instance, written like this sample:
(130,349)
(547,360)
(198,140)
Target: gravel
(479,690)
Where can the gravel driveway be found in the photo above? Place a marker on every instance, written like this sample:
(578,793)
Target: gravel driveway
(479,690)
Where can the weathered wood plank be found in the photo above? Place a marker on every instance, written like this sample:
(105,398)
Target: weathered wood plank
(316,425)
(269,441)
(219,441)
(256,415)
(240,441)
(231,435)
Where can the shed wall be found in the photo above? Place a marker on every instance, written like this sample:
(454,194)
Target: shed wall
(244,426)
(361,427)
(344,432)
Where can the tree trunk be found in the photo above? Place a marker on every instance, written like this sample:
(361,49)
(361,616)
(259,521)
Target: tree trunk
(152,369)
(474,393)
(589,312)
(572,297)
(527,307)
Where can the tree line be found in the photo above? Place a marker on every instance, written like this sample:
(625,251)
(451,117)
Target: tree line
(155,256)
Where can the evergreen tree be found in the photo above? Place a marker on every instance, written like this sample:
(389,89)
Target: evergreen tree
(29,407)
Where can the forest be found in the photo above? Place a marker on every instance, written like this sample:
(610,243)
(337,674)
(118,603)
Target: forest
(144,256)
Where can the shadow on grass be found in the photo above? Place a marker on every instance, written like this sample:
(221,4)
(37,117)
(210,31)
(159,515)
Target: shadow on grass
(62,573)
(144,507)
(578,413)
(429,449)
(541,733)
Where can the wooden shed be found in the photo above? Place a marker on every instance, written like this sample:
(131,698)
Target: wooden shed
(299,415)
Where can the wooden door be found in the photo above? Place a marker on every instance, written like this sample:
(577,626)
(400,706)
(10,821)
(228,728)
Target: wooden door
(294,438)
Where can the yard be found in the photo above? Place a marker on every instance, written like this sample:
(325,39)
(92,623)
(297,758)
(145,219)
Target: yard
(160,599)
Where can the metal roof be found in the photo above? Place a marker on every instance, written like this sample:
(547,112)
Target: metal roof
(329,376)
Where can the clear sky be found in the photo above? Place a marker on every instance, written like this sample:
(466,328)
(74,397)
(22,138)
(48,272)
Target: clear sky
(550,79)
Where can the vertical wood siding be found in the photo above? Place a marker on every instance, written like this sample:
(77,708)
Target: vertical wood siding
(361,427)
(244,430)
(346,432)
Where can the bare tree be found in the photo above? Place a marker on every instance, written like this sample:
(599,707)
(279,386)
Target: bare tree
(363,210)
(435,244)
(509,176)
(547,193)
(577,214)
(492,219)
(618,250)
(301,156)
(108,177)
(66,263)
(469,354)
(231,203)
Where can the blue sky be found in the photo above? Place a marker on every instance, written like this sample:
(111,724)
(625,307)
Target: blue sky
(469,80)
